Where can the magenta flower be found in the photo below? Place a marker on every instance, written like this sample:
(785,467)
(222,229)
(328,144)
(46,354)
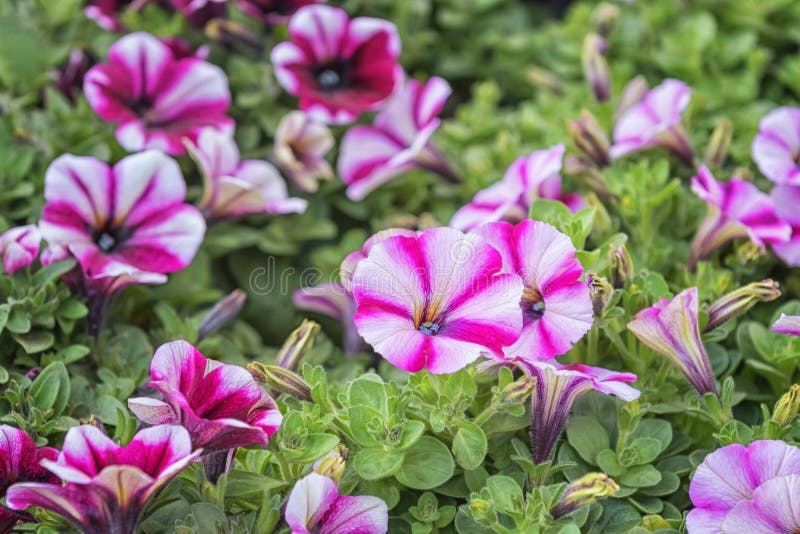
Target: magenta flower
(273,12)
(670,328)
(740,489)
(300,148)
(106,12)
(181,49)
(399,140)
(436,301)
(736,210)
(316,506)
(333,300)
(19,246)
(776,148)
(336,66)
(220,405)
(234,188)
(155,98)
(787,324)
(786,199)
(655,121)
(526,180)
(557,388)
(68,77)
(200,12)
(556,304)
(107,486)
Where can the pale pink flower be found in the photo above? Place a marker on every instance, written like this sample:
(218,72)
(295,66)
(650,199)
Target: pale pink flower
(19,246)
(776,148)
(300,148)
(787,324)
(787,200)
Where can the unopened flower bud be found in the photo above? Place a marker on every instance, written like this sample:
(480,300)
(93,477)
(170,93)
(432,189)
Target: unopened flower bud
(740,300)
(787,407)
(632,94)
(600,291)
(222,313)
(590,139)
(232,34)
(583,492)
(720,143)
(519,390)
(297,345)
(544,79)
(595,67)
(604,18)
(621,267)
(332,465)
(480,509)
(281,380)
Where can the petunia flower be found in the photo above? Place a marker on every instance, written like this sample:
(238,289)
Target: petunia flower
(314,505)
(220,405)
(655,121)
(200,12)
(107,486)
(787,199)
(182,49)
(273,12)
(124,224)
(436,301)
(336,66)
(776,148)
(19,246)
(300,148)
(557,388)
(106,13)
(736,210)
(68,77)
(399,140)
(234,188)
(787,324)
(155,98)
(349,263)
(726,489)
(335,301)
(671,329)
(527,179)
(556,304)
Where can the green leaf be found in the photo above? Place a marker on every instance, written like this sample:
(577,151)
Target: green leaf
(587,437)
(641,476)
(426,465)
(363,421)
(50,390)
(506,493)
(647,449)
(73,309)
(314,447)
(607,461)
(51,272)
(470,445)
(35,342)
(374,464)
(368,391)
(18,322)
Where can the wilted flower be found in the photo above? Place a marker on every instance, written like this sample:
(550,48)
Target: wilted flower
(436,301)
(333,300)
(19,246)
(595,67)
(556,305)
(786,199)
(233,187)
(590,139)
(155,98)
(399,140)
(740,300)
(220,405)
(670,328)
(621,267)
(583,492)
(125,224)
(107,486)
(557,388)
(655,121)
(200,12)
(300,148)
(222,313)
(316,506)
(68,77)
(527,179)
(746,489)
(273,11)
(336,66)
(776,148)
(736,210)
(787,324)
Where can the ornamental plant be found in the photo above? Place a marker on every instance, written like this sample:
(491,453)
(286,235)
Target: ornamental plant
(427,267)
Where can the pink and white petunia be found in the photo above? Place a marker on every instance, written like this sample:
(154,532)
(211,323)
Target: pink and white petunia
(316,506)
(655,121)
(736,210)
(234,188)
(671,329)
(557,388)
(19,246)
(155,98)
(349,263)
(556,305)
(776,148)
(200,12)
(399,140)
(220,405)
(527,179)
(338,67)
(273,12)
(787,324)
(300,148)
(106,13)
(107,486)
(436,301)
(727,493)
(787,199)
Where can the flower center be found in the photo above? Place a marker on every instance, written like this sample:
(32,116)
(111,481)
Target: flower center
(532,304)
(429,327)
(332,76)
(106,241)
(140,106)
(109,239)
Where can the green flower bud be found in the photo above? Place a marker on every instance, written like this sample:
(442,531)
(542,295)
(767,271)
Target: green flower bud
(280,379)
(739,301)
(519,390)
(605,17)
(595,66)
(720,143)
(787,407)
(333,464)
(583,492)
(221,314)
(600,291)
(621,267)
(297,345)
(590,139)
